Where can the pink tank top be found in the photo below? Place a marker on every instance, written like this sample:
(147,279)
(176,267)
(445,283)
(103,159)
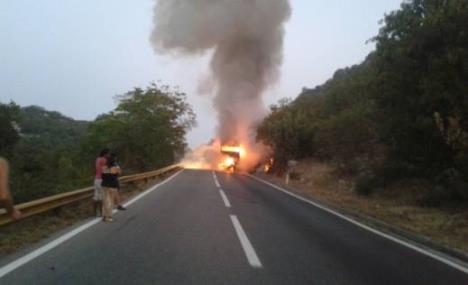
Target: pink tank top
(100,163)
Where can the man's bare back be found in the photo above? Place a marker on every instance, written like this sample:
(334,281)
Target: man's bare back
(6,201)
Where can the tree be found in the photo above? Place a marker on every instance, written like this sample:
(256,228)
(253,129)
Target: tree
(422,79)
(146,130)
(289,130)
(332,121)
(8,130)
(401,114)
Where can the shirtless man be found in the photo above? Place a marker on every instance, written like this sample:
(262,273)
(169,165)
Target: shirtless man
(6,201)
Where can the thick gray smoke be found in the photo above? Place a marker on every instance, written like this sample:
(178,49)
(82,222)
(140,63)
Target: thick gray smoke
(246,37)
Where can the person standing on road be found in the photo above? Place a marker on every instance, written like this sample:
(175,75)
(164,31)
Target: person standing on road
(98,194)
(110,184)
(6,201)
(117,199)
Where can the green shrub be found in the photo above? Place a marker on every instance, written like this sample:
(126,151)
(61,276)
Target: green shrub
(366,184)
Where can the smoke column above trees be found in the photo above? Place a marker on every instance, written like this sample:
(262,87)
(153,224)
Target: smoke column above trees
(246,37)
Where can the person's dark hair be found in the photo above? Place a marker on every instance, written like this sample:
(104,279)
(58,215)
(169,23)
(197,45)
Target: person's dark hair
(110,161)
(104,152)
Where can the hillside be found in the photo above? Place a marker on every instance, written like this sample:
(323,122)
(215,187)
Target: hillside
(400,116)
(45,153)
(49,127)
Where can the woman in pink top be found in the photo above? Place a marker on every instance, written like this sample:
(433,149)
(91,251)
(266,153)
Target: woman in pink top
(98,194)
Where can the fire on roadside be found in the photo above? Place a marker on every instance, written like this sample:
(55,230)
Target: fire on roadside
(268,165)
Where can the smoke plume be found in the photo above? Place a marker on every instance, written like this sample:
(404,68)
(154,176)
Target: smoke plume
(246,37)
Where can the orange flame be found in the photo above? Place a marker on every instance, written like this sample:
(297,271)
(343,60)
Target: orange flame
(229,161)
(234,149)
(228,164)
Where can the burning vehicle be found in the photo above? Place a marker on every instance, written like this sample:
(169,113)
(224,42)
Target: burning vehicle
(229,157)
(232,155)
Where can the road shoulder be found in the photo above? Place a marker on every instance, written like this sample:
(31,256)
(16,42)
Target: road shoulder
(423,244)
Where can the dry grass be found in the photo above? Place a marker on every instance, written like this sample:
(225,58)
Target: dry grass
(16,236)
(448,226)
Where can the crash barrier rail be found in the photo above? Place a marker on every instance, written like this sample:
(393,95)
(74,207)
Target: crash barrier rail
(56,201)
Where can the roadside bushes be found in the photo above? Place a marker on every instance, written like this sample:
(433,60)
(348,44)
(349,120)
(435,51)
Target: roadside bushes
(289,132)
(366,184)
(401,115)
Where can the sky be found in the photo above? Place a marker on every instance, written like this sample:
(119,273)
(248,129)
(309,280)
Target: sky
(74,56)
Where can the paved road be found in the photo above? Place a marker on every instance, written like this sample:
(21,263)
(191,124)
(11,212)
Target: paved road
(188,231)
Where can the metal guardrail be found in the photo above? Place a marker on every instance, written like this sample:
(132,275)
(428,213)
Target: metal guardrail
(52,202)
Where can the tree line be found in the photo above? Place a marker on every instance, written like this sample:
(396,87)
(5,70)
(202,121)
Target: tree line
(400,115)
(50,153)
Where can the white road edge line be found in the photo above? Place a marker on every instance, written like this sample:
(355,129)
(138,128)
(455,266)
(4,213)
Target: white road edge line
(377,232)
(45,248)
(225,198)
(249,251)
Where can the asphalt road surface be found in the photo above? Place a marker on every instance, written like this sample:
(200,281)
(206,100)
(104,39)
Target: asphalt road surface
(206,228)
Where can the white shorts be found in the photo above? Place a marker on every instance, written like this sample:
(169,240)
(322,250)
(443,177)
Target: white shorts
(97,190)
